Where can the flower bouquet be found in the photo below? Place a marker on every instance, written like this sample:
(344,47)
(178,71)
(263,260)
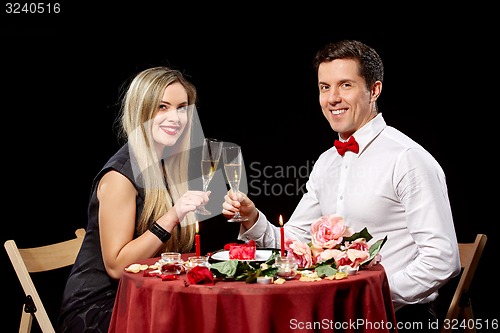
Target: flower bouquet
(334,246)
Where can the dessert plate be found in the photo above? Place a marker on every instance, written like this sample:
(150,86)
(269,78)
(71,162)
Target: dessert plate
(260,255)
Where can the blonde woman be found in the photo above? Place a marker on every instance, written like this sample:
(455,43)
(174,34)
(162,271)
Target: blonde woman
(140,204)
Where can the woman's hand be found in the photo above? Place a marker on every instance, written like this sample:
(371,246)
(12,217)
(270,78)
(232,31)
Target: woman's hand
(189,201)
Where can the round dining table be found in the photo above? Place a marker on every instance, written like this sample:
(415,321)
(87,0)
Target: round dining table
(357,303)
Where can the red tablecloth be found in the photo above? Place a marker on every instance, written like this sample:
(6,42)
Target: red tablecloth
(359,303)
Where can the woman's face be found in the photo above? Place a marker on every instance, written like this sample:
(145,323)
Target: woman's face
(171,117)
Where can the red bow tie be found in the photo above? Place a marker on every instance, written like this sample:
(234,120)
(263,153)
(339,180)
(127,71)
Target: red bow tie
(350,144)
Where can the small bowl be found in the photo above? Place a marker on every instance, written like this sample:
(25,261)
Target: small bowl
(287,268)
(197,261)
(171,263)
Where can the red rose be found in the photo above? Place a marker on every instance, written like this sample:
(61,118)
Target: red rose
(200,275)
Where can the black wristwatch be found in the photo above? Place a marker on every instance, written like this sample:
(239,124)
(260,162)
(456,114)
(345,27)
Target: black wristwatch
(161,233)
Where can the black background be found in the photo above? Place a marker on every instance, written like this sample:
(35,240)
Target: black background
(61,82)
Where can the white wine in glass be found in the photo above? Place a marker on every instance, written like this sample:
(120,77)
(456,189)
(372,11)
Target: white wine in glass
(233,161)
(210,156)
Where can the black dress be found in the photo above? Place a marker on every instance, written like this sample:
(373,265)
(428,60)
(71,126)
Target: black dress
(90,293)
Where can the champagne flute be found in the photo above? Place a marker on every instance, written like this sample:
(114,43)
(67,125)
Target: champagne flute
(232,167)
(210,156)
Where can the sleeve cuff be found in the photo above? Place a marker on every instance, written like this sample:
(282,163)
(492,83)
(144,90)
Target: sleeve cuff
(256,232)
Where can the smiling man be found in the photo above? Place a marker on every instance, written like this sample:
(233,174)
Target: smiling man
(375,177)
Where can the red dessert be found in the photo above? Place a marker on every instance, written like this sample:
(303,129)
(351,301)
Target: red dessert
(242,251)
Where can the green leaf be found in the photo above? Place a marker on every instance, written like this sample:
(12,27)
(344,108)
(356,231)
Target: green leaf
(325,270)
(252,276)
(361,234)
(271,271)
(225,269)
(328,262)
(244,270)
(374,250)
(272,258)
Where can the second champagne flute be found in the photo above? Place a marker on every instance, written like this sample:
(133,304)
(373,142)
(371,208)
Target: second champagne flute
(210,156)
(233,162)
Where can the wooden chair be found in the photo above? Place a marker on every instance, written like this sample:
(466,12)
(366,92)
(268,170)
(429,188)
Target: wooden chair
(461,306)
(40,259)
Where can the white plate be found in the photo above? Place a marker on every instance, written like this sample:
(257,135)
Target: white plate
(260,255)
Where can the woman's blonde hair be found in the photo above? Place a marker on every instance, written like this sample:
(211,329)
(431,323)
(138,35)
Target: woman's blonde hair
(139,107)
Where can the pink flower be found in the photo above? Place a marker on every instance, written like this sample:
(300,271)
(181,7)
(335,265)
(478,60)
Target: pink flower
(357,252)
(342,259)
(328,231)
(330,253)
(316,252)
(356,257)
(332,239)
(301,252)
(358,244)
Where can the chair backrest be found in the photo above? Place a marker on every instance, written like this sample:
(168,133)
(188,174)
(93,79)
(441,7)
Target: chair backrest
(40,259)
(461,306)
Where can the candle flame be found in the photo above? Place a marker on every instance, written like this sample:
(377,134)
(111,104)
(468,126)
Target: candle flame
(197,227)
(281,220)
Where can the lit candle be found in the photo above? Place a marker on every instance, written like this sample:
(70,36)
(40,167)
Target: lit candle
(197,240)
(282,233)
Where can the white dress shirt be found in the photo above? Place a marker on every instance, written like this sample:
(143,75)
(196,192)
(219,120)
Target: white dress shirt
(395,188)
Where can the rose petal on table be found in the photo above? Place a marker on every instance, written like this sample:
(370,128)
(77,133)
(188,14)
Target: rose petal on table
(309,278)
(134,268)
(309,274)
(156,265)
(337,276)
(168,277)
(279,281)
(150,273)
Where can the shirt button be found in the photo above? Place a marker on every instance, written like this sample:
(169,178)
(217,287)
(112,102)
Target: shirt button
(341,197)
